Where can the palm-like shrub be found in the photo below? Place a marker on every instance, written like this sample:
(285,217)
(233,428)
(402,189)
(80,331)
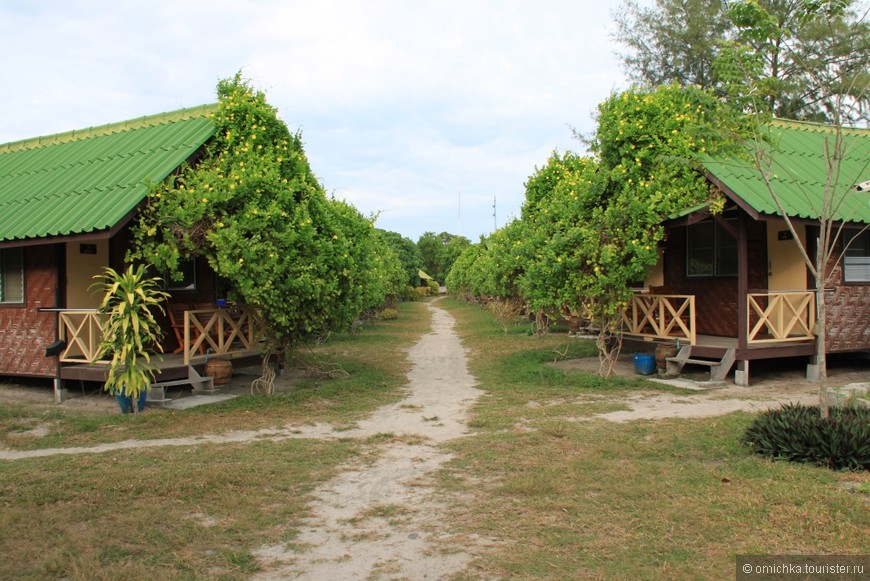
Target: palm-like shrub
(798,433)
(130,330)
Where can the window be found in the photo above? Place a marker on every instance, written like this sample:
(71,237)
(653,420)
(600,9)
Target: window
(11,275)
(710,250)
(856,262)
(187,269)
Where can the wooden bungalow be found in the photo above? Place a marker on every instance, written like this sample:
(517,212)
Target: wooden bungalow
(733,287)
(66,205)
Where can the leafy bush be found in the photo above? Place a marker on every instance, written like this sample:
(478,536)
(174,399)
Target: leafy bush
(410,293)
(798,433)
(254,209)
(387,315)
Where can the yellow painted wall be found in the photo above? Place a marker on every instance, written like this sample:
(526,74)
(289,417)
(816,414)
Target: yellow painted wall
(80,271)
(656,276)
(786,269)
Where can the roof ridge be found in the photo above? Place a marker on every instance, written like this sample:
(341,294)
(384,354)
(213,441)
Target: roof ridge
(109,128)
(821,127)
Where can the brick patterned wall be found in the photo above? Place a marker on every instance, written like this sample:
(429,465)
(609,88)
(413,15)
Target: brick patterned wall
(715,296)
(848,323)
(25,332)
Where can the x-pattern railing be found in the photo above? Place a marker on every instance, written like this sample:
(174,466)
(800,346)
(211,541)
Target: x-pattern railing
(82,329)
(220,331)
(782,316)
(661,316)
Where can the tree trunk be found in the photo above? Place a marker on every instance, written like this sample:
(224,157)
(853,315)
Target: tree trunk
(609,345)
(821,331)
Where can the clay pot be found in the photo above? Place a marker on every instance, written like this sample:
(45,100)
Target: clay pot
(662,353)
(220,370)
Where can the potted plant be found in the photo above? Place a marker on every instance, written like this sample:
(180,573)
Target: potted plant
(129,331)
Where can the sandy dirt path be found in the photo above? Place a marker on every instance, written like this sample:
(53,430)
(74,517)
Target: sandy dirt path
(381,520)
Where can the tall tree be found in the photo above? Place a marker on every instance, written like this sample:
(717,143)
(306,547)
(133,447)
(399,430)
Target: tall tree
(679,40)
(408,254)
(671,41)
(254,209)
(590,226)
(439,251)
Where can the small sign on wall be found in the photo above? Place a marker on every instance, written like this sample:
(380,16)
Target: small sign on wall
(87,248)
(784,235)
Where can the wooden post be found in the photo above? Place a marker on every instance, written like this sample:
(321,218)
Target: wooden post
(742,283)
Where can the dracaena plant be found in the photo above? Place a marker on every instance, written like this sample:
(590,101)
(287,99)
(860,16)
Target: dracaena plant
(130,330)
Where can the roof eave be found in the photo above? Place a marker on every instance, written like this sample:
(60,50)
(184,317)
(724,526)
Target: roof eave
(101,234)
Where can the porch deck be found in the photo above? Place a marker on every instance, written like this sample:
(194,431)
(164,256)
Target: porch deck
(172,366)
(232,334)
(714,347)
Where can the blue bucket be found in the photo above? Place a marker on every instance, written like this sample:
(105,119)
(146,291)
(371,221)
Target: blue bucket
(644,363)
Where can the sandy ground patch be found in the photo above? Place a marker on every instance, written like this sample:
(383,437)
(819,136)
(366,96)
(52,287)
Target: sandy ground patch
(772,384)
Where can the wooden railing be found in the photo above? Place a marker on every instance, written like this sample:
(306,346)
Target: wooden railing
(82,329)
(206,331)
(220,332)
(661,317)
(774,317)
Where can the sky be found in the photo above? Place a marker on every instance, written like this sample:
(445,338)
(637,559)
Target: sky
(429,114)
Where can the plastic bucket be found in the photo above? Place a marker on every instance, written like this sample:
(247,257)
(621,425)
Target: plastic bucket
(644,363)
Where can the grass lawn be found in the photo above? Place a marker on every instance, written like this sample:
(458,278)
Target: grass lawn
(552,492)
(563,496)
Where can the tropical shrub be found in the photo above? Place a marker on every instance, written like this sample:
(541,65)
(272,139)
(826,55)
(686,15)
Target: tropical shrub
(799,433)
(130,331)
(387,314)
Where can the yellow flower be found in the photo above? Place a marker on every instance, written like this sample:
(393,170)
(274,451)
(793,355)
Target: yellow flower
(204,200)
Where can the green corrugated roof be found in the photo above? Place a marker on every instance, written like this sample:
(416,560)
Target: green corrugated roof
(799,171)
(88,180)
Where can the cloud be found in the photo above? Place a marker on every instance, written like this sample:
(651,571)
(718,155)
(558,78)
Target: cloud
(404,106)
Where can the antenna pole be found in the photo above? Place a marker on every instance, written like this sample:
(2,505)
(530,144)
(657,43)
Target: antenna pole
(494,221)
(459,213)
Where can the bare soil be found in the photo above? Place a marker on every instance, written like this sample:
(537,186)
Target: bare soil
(772,383)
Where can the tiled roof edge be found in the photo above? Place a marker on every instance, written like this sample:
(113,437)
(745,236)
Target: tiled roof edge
(109,128)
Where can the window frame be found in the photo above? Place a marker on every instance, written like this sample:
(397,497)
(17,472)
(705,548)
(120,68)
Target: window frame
(853,251)
(4,260)
(722,241)
(188,283)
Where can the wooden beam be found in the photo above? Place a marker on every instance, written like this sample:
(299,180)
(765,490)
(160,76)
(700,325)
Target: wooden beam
(742,282)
